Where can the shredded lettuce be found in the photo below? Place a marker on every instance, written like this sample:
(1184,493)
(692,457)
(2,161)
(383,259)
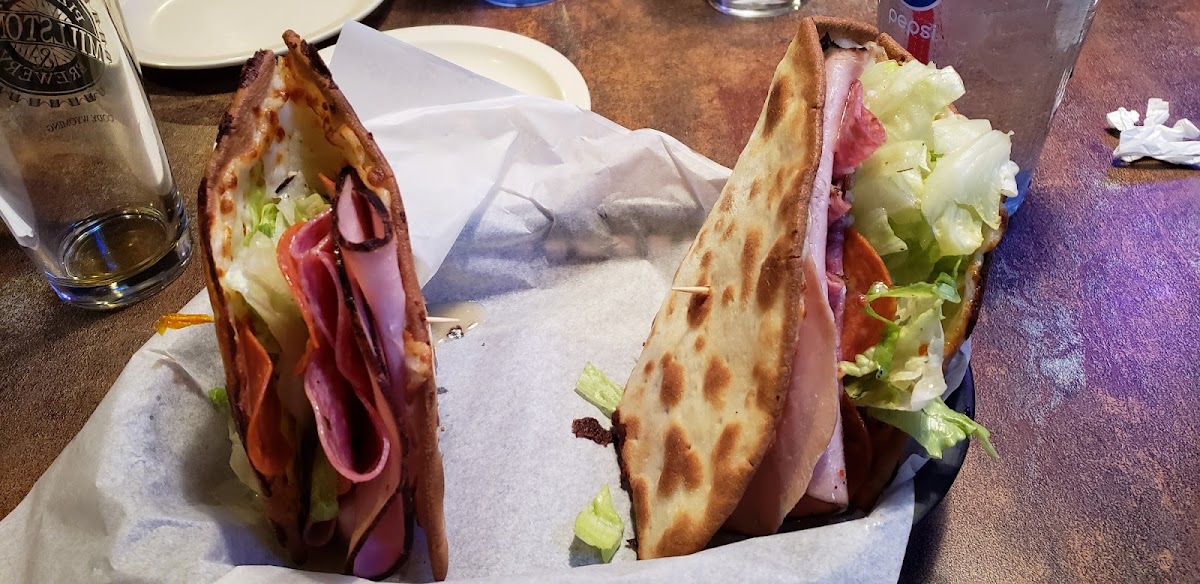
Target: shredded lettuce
(322,498)
(598,390)
(900,379)
(925,200)
(296,210)
(939,179)
(258,213)
(218,398)
(907,98)
(907,361)
(943,287)
(599,526)
(936,427)
(254,272)
(864,364)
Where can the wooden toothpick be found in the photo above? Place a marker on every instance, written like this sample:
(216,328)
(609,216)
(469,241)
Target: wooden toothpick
(441,320)
(692,289)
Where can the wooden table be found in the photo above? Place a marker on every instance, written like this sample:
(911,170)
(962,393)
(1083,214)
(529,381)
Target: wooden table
(1086,352)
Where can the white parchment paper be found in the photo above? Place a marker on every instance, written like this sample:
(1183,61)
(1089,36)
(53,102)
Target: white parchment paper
(567,229)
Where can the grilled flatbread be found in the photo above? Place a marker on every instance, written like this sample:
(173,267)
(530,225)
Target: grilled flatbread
(702,405)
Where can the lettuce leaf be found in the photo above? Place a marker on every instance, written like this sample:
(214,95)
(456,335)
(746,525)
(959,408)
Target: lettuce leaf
(892,179)
(218,398)
(599,526)
(254,273)
(936,427)
(599,390)
(238,460)
(907,98)
(956,131)
(917,360)
(874,226)
(964,190)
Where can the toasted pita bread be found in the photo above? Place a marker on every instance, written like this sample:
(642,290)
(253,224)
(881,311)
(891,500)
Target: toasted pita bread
(289,113)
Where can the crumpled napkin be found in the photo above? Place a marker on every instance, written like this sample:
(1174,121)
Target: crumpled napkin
(1175,144)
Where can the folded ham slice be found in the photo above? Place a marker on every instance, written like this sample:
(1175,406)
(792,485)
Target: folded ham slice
(365,237)
(859,135)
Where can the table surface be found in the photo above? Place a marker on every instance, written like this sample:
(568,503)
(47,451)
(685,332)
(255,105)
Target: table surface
(1085,355)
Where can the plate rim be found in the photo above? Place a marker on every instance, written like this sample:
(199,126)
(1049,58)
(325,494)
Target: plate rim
(565,74)
(331,29)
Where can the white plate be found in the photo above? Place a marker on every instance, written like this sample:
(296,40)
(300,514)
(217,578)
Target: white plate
(198,34)
(517,61)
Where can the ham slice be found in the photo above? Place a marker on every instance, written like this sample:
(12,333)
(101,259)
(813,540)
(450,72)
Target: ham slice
(368,248)
(828,483)
(352,399)
(365,237)
(784,473)
(859,134)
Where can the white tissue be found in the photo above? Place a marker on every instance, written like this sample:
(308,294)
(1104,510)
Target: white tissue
(1157,112)
(1175,144)
(1123,119)
(1187,129)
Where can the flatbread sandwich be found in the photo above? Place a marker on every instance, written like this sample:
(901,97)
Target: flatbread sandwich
(321,322)
(839,271)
